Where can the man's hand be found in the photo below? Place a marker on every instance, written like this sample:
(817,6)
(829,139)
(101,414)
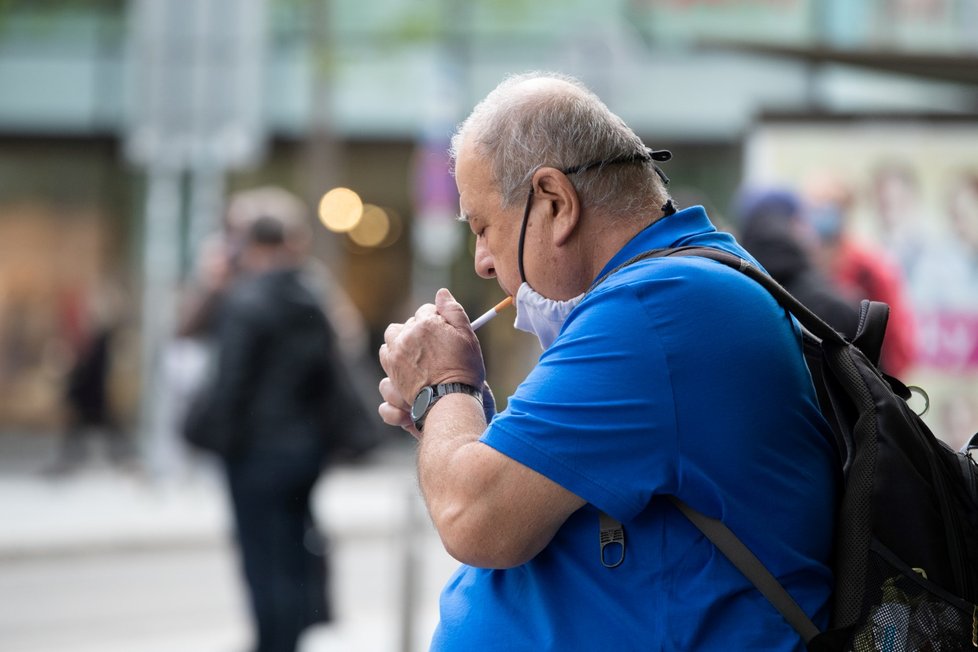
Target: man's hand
(490,510)
(395,410)
(437,345)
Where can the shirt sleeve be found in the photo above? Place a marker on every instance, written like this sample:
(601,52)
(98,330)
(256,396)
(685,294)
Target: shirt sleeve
(596,415)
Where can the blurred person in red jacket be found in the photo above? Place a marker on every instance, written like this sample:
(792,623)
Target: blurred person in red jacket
(864,270)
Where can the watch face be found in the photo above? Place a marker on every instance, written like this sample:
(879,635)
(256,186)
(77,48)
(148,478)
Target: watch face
(421,403)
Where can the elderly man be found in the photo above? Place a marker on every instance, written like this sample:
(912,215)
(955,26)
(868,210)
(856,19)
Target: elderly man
(666,377)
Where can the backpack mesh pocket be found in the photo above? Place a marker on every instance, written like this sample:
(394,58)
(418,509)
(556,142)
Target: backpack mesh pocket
(904,612)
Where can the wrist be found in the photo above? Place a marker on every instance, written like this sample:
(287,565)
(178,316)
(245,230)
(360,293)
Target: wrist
(429,395)
(488,402)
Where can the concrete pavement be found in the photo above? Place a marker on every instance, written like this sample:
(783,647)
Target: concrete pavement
(86,528)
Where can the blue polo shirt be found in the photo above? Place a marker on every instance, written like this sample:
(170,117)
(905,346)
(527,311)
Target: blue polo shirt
(674,376)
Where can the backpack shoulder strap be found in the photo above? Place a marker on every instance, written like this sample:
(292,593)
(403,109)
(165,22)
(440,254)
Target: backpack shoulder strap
(809,320)
(752,568)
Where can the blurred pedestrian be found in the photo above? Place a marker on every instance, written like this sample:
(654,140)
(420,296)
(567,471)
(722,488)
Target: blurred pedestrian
(221,262)
(90,413)
(773,229)
(864,270)
(264,414)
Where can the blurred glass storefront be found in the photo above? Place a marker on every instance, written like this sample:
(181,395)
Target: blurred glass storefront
(66,225)
(351,94)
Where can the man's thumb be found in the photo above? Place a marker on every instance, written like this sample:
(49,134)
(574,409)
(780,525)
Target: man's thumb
(450,309)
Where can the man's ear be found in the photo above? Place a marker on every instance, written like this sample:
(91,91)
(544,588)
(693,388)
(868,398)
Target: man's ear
(563,204)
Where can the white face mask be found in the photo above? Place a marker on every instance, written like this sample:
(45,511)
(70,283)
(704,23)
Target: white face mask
(541,316)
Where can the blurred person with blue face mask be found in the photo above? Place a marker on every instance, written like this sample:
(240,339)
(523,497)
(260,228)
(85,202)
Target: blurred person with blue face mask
(778,229)
(659,377)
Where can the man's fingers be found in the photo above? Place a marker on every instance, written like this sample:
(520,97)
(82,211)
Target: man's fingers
(395,411)
(425,311)
(390,394)
(450,309)
(394,416)
(391,332)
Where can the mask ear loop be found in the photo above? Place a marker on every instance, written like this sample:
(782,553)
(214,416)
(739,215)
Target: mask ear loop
(526,214)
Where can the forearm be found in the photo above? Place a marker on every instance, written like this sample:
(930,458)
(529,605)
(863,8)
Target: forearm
(481,502)
(449,447)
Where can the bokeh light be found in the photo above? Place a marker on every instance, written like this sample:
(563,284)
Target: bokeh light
(372,228)
(379,228)
(340,210)
(396,227)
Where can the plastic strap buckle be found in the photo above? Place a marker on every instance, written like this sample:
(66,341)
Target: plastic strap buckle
(611,536)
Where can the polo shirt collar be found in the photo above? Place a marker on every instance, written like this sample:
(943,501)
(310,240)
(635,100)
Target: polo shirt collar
(674,230)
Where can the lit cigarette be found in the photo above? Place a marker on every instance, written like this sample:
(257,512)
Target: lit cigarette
(502,305)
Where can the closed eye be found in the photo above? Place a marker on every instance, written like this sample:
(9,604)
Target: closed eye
(477,226)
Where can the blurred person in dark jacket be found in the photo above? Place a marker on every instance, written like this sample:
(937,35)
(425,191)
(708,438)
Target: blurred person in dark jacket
(772,228)
(222,261)
(264,415)
(87,393)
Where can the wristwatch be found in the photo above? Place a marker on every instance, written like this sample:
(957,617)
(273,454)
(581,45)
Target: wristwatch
(431,394)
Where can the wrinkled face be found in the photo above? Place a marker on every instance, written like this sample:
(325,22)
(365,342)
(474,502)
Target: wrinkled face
(496,228)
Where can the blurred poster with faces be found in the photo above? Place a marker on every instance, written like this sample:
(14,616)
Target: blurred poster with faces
(908,189)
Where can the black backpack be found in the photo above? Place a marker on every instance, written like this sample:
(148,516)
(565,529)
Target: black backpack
(906,554)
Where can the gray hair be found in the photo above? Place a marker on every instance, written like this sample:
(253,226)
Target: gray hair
(548,119)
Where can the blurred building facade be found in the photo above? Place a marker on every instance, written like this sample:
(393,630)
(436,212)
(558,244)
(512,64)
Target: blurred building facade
(353,94)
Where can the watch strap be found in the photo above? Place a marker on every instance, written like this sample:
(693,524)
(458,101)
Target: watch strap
(444,389)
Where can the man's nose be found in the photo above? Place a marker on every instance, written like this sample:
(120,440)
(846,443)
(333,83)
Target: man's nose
(484,265)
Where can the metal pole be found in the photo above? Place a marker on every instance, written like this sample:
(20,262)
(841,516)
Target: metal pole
(413,527)
(160,273)
(206,206)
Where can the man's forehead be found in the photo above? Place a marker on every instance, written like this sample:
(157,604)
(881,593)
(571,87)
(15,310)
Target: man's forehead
(473,177)
(469,162)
